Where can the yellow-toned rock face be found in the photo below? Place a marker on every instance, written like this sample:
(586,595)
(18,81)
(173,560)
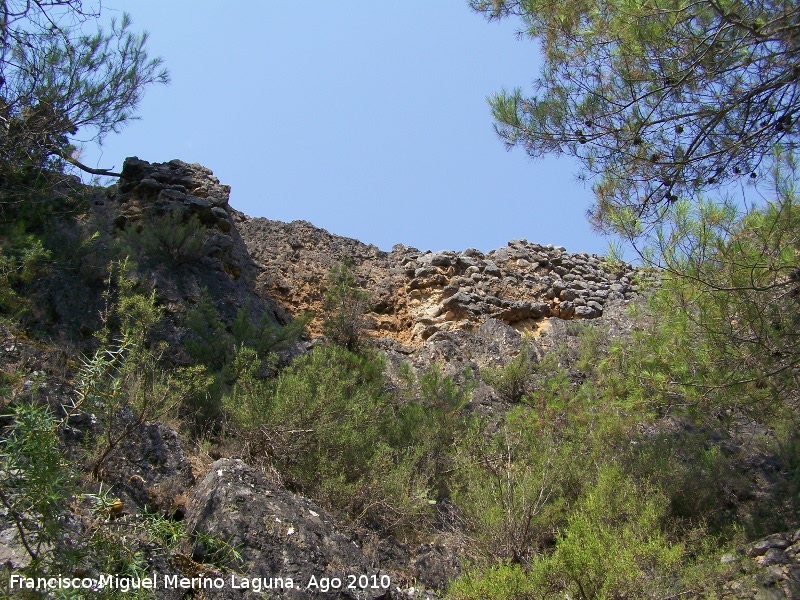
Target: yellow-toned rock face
(414,294)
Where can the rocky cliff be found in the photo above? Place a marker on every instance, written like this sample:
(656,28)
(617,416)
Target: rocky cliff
(417,293)
(458,311)
(413,294)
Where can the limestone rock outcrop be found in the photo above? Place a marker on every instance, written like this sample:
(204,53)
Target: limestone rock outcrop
(283,540)
(769,571)
(161,187)
(208,258)
(416,294)
(151,469)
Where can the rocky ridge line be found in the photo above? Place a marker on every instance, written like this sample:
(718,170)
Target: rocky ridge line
(416,294)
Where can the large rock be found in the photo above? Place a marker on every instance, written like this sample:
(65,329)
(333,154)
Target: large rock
(153,195)
(151,469)
(520,310)
(278,534)
(770,571)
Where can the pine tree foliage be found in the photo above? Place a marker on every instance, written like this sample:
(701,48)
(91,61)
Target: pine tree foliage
(735,280)
(57,81)
(658,99)
(345,305)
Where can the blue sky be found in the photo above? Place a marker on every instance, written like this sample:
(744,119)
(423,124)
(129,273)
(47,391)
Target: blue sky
(368,119)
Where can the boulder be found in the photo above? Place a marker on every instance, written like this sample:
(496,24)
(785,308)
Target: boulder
(150,469)
(278,535)
(517,311)
(458,300)
(436,566)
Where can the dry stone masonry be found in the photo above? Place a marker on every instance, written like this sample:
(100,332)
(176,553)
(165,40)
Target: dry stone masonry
(521,285)
(416,294)
(161,187)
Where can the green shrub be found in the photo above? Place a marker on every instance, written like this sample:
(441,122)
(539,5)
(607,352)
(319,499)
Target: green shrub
(345,306)
(35,478)
(246,353)
(167,533)
(509,489)
(700,481)
(613,545)
(549,386)
(436,422)
(22,258)
(115,554)
(323,424)
(501,582)
(217,551)
(266,337)
(176,237)
(207,340)
(547,516)
(37,491)
(246,403)
(512,380)
(123,382)
(325,415)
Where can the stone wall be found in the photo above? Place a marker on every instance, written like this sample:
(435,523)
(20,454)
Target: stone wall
(415,294)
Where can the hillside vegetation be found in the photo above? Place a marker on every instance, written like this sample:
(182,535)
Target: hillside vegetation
(636,455)
(230,407)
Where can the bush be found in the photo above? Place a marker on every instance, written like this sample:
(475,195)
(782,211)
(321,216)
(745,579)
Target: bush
(511,380)
(246,353)
(265,337)
(35,479)
(245,405)
(123,382)
(22,258)
(345,305)
(210,343)
(701,481)
(323,425)
(509,489)
(37,489)
(176,237)
(434,424)
(207,341)
(613,545)
(502,582)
